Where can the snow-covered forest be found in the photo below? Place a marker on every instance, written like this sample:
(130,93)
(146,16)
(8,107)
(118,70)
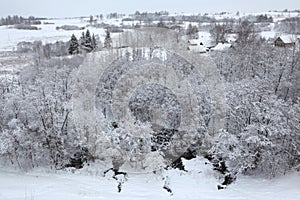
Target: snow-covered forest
(150,101)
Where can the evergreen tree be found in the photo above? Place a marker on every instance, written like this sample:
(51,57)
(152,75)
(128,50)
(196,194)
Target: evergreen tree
(94,42)
(74,46)
(82,39)
(107,40)
(86,41)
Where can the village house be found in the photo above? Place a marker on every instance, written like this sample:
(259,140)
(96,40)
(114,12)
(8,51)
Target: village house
(222,46)
(195,45)
(285,41)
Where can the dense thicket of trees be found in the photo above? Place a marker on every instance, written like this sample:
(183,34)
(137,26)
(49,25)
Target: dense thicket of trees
(36,116)
(86,43)
(41,51)
(289,25)
(13,20)
(261,134)
(192,31)
(264,18)
(262,127)
(219,32)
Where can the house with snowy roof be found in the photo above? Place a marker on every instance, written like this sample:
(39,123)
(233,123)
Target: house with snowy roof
(222,46)
(199,45)
(197,48)
(285,41)
(194,42)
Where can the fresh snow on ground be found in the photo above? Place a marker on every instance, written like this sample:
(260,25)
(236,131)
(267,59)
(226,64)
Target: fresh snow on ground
(10,37)
(47,33)
(198,183)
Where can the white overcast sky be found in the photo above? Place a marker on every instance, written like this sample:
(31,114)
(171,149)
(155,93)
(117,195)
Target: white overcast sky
(70,8)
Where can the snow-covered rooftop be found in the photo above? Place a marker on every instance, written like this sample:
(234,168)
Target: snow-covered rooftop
(194,42)
(221,47)
(288,38)
(197,48)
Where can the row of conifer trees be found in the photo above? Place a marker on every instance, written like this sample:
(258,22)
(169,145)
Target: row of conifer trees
(87,43)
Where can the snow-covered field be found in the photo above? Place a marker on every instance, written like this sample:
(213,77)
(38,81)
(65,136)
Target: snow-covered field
(10,37)
(198,183)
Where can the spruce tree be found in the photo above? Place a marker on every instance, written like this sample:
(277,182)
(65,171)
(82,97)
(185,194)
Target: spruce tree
(107,40)
(74,46)
(82,39)
(94,42)
(86,42)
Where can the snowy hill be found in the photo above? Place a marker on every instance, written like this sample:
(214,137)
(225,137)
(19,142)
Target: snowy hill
(89,183)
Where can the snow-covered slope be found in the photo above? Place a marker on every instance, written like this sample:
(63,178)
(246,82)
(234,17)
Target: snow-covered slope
(198,183)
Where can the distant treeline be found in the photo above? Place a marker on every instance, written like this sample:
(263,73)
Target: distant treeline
(199,18)
(13,20)
(288,25)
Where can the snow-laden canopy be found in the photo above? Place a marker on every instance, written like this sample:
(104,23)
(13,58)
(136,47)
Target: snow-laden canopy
(154,80)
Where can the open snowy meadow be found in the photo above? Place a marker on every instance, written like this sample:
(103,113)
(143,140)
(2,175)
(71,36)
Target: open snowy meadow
(198,183)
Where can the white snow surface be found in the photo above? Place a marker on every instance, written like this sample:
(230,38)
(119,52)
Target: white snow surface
(89,183)
(10,37)
(221,47)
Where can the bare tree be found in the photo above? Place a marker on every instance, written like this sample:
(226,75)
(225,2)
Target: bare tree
(245,32)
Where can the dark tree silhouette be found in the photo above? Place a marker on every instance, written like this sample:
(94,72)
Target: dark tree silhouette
(74,46)
(107,40)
